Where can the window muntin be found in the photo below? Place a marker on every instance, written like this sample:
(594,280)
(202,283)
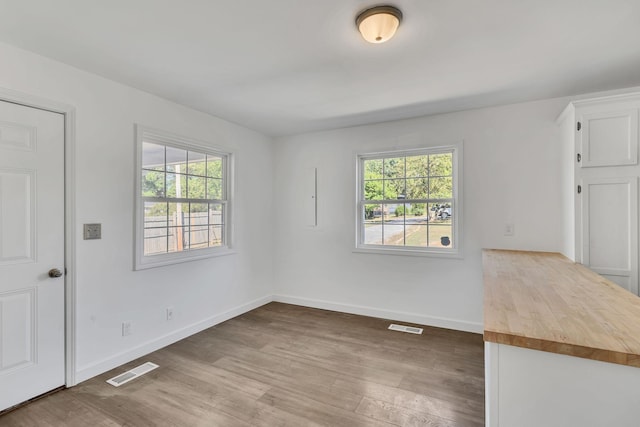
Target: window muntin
(407,201)
(182,200)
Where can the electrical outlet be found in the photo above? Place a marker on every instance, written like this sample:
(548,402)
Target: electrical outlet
(169,313)
(509,229)
(126,328)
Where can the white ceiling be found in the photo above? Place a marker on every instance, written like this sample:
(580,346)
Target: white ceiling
(291,66)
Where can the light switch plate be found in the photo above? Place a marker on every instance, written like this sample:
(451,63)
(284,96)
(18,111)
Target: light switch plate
(92,231)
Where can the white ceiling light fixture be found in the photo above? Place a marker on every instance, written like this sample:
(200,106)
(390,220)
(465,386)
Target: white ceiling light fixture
(379,24)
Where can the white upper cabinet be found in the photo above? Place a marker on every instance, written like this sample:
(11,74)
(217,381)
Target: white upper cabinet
(600,196)
(608,137)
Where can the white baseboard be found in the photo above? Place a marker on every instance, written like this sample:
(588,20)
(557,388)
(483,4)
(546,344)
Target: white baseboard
(439,322)
(104,365)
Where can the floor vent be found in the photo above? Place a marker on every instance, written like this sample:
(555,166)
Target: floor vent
(408,329)
(132,374)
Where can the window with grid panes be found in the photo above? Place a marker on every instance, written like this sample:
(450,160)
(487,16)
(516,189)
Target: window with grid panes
(408,201)
(182,199)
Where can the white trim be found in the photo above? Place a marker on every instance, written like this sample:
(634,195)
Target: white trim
(141,262)
(420,319)
(457,202)
(400,251)
(491,383)
(407,151)
(69,113)
(70,243)
(622,97)
(186,256)
(108,363)
(566,113)
(96,368)
(589,99)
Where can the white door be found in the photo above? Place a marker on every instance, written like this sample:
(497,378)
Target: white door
(608,174)
(31,244)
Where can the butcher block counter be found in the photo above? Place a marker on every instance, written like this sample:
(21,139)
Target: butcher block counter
(562,344)
(544,301)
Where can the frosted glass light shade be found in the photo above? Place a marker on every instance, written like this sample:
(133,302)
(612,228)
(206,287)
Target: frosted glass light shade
(378,24)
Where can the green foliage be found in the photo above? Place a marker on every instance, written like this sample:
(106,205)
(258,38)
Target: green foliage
(399,210)
(394,168)
(440,164)
(203,181)
(417,209)
(373,190)
(373,169)
(415,177)
(152,184)
(369,211)
(441,188)
(394,188)
(417,166)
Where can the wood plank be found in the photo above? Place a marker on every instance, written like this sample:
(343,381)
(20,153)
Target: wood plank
(307,407)
(304,380)
(403,399)
(385,411)
(289,366)
(543,301)
(51,410)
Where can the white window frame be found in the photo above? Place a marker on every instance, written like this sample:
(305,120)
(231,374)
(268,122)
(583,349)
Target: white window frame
(456,250)
(141,261)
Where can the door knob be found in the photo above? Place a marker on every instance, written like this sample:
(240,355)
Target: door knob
(54,272)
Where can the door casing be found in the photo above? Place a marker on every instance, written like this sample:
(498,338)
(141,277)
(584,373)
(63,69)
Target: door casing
(68,111)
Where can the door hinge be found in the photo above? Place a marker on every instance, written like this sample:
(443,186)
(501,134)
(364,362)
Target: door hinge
(579,126)
(579,189)
(579,157)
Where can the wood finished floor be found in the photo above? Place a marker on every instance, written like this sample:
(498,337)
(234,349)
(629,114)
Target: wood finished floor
(285,365)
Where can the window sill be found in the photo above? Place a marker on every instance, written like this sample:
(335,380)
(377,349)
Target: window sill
(179,258)
(408,252)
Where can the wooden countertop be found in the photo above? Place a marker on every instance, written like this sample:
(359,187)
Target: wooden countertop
(544,301)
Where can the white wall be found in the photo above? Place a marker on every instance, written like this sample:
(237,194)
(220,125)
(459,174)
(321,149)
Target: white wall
(108,291)
(512,171)
(512,174)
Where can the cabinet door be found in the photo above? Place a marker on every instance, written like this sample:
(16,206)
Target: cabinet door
(609,138)
(610,228)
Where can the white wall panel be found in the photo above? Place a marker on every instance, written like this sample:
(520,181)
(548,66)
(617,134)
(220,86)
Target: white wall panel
(17,329)
(17,136)
(108,290)
(17,216)
(512,167)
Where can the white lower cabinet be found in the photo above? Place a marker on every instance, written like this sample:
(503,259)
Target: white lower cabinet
(531,388)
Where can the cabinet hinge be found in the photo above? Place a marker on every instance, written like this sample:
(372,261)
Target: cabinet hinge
(579,126)
(579,189)
(579,157)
